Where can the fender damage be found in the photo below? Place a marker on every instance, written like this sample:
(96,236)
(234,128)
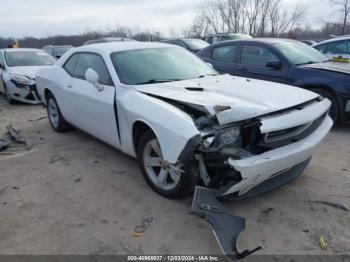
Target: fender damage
(243,152)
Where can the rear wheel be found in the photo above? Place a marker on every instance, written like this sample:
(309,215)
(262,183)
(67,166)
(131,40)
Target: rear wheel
(166,179)
(334,111)
(57,122)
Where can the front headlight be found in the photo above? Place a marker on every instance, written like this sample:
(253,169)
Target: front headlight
(230,136)
(20,79)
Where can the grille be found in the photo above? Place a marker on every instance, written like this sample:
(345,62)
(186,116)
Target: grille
(291,135)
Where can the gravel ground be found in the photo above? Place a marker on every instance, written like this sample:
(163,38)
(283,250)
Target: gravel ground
(72,194)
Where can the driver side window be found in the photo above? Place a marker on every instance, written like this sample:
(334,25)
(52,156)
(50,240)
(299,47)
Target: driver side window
(256,55)
(79,63)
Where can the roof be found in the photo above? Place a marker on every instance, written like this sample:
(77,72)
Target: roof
(111,47)
(22,50)
(346,37)
(259,40)
(226,34)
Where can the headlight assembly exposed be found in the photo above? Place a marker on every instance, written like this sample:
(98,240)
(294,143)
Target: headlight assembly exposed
(230,136)
(18,79)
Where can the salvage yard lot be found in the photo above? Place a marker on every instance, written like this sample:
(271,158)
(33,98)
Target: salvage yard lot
(72,194)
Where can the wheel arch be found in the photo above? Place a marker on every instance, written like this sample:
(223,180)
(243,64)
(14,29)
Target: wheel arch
(139,128)
(319,86)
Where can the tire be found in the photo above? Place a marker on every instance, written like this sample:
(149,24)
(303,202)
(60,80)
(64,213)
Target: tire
(8,96)
(186,180)
(57,121)
(334,111)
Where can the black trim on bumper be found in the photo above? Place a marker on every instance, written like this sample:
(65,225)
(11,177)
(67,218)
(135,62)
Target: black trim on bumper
(271,184)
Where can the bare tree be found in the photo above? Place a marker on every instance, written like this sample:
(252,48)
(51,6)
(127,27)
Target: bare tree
(255,17)
(343,7)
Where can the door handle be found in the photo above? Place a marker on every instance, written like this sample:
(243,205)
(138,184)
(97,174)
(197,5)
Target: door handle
(70,85)
(242,69)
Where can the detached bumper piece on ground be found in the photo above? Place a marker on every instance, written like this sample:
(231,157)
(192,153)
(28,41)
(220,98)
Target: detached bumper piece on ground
(225,225)
(11,136)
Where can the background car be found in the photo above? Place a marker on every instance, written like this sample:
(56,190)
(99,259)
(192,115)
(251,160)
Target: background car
(288,62)
(217,38)
(193,45)
(56,50)
(18,67)
(335,47)
(309,42)
(108,39)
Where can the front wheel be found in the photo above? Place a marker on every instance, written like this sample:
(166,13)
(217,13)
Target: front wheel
(168,180)
(56,119)
(8,96)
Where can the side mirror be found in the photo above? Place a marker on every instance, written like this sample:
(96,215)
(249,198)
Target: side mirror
(274,64)
(93,78)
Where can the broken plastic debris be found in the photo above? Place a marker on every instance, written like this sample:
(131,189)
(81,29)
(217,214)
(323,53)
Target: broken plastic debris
(225,225)
(330,203)
(219,109)
(12,136)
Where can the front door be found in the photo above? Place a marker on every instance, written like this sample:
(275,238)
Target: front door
(253,62)
(85,106)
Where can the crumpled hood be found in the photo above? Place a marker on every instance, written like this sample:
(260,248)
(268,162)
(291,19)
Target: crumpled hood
(337,67)
(29,71)
(242,98)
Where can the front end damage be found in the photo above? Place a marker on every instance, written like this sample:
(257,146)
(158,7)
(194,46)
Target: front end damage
(23,89)
(249,157)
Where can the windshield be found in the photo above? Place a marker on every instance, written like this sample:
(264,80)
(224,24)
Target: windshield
(156,65)
(196,44)
(28,58)
(300,54)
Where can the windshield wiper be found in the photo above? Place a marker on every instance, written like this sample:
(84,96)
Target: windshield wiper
(156,81)
(307,63)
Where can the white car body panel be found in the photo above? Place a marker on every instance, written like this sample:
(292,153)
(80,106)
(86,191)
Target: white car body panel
(94,112)
(296,117)
(247,99)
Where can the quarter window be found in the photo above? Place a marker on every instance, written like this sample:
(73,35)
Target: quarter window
(256,55)
(225,53)
(70,64)
(322,48)
(78,64)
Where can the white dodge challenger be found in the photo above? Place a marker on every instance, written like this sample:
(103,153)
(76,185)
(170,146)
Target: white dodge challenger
(185,123)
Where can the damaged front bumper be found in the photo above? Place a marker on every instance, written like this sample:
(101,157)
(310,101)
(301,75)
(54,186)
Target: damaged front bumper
(26,93)
(258,169)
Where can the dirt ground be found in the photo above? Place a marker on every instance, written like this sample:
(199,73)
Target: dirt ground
(72,194)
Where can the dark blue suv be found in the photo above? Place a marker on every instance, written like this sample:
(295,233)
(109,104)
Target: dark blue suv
(285,61)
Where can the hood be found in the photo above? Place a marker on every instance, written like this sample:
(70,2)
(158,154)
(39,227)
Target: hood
(29,71)
(229,98)
(337,67)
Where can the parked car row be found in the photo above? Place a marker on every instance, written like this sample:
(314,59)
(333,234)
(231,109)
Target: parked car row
(287,62)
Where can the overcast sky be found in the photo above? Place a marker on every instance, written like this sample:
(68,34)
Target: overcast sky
(40,18)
